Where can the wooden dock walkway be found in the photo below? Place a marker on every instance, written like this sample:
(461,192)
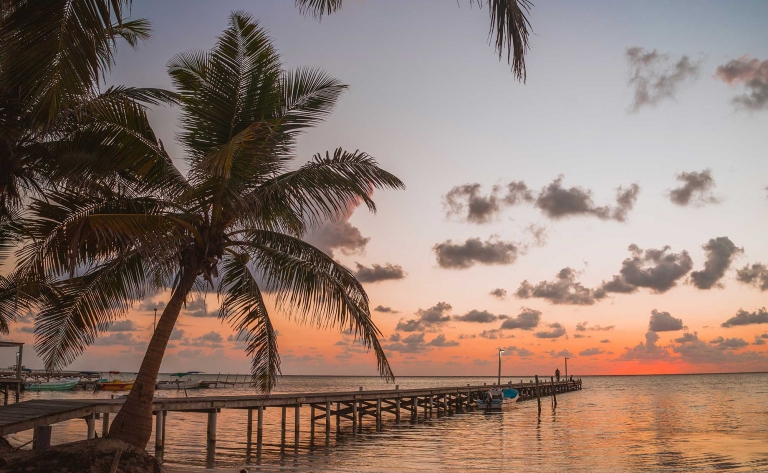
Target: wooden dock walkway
(352,406)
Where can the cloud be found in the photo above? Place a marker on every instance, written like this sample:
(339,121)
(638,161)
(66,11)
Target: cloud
(655,78)
(413,343)
(582,327)
(591,352)
(696,189)
(728,343)
(687,337)
(210,340)
(26,329)
(339,236)
(563,290)
(605,341)
(539,234)
(429,319)
(189,353)
(385,310)
(478,316)
(466,336)
(117,339)
(720,254)
(177,334)
(494,334)
(441,342)
(578,335)
(377,273)
(755,275)
(124,326)
(499,293)
(743,317)
(560,354)
(527,319)
(754,75)
(197,308)
(150,305)
(556,331)
(474,251)
(664,322)
(761,339)
(556,202)
(648,351)
(515,351)
(657,270)
(468,203)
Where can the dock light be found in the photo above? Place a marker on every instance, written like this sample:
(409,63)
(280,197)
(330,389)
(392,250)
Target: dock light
(500,352)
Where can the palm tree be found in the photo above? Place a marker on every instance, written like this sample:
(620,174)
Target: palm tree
(233,224)
(508,30)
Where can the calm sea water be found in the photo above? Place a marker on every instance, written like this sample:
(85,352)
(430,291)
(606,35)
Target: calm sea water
(615,424)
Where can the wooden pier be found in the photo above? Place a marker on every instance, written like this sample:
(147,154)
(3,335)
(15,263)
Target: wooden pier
(328,409)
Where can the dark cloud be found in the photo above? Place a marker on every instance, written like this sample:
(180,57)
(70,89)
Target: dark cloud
(720,254)
(26,329)
(696,351)
(761,339)
(655,78)
(754,75)
(583,327)
(728,343)
(427,320)
(150,305)
(527,319)
(657,270)
(378,272)
(478,316)
(190,353)
(468,203)
(440,342)
(517,351)
(696,189)
(605,341)
(556,202)
(687,337)
(466,336)
(591,352)
(647,351)
(119,339)
(494,334)
(499,293)
(563,290)
(743,317)
(197,308)
(339,236)
(560,354)
(578,335)
(177,334)
(385,310)
(474,251)
(124,326)
(556,331)
(664,322)
(755,275)
(210,340)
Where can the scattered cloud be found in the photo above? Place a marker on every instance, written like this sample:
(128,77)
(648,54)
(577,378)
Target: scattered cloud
(657,270)
(687,337)
(416,343)
(761,339)
(469,204)
(339,236)
(441,342)
(556,202)
(560,354)
(474,251)
(190,353)
(210,340)
(578,335)
(385,310)
(563,290)
(478,316)
(720,254)
(755,275)
(583,327)
(556,330)
(646,352)
(743,317)
(527,319)
(538,233)
(664,322)
(467,336)
(754,75)
(177,334)
(197,308)
(718,351)
(117,339)
(513,350)
(728,343)
(377,272)
(591,352)
(494,334)
(605,341)
(499,293)
(150,305)
(654,77)
(695,189)
(427,320)
(124,326)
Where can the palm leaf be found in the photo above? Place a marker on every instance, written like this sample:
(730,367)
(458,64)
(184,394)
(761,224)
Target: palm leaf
(243,306)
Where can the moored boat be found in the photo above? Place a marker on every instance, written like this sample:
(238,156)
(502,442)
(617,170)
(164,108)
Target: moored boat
(498,399)
(64,384)
(114,384)
(181,381)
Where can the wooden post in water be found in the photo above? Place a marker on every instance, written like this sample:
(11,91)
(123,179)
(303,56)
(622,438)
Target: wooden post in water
(354,417)
(282,422)
(91,421)
(212,415)
(397,410)
(554,392)
(249,429)
(538,393)
(378,414)
(327,419)
(42,437)
(296,412)
(338,417)
(105,424)
(312,423)
(159,444)
(259,432)
(415,405)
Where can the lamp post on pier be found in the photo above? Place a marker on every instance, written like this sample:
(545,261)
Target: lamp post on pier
(500,352)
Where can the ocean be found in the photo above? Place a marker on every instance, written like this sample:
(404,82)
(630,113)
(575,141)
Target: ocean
(663,423)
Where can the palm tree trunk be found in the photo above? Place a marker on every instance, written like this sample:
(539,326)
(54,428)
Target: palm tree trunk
(133,424)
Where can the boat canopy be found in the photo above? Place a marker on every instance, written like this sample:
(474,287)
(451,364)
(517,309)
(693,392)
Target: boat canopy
(179,375)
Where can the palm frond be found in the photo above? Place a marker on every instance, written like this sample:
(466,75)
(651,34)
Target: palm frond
(318,8)
(243,307)
(309,96)
(313,288)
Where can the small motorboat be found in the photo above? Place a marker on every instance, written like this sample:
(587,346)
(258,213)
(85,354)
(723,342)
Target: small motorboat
(64,384)
(181,381)
(114,384)
(498,399)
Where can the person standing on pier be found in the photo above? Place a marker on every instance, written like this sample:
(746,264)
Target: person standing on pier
(557,374)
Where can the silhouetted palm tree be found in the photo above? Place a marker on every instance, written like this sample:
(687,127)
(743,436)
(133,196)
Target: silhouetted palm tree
(234,224)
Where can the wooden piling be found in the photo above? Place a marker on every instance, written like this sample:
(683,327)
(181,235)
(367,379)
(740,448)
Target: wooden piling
(42,437)
(312,422)
(338,417)
(397,410)
(105,424)
(211,431)
(259,432)
(354,417)
(282,422)
(378,414)
(327,418)
(554,391)
(159,430)
(538,393)
(249,429)
(91,421)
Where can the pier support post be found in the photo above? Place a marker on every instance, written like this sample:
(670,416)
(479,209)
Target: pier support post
(296,412)
(249,429)
(431,404)
(211,431)
(538,393)
(378,414)
(397,410)
(42,437)
(415,405)
(105,424)
(312,423)
(259,432)
(282,422)
(327,418)
(91,421)
(554,392)
(159,440)
(338,417)
(354,417)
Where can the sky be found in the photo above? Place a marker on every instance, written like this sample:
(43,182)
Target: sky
(610,209)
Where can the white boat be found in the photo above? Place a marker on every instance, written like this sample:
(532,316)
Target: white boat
(64,384)
(498,399)
(181,381)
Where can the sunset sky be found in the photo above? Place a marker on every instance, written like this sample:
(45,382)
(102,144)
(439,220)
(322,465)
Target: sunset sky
(611,209)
